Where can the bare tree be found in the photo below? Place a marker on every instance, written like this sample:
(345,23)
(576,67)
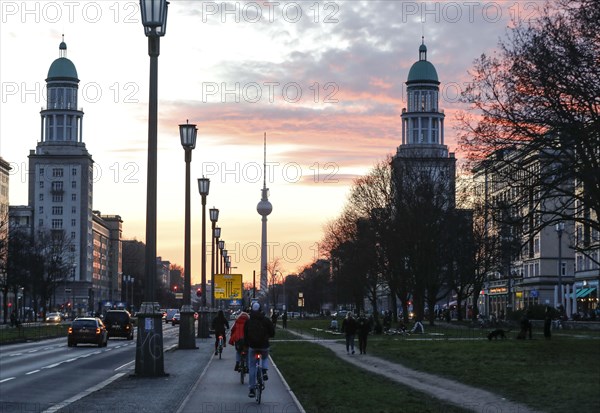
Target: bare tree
(535,116)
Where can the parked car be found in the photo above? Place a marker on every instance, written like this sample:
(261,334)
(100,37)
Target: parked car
(88,330)
(176,318)
(170,313)
(119,324)
(54,318)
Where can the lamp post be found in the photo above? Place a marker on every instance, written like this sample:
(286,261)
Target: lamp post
(224,263)
(214,217)
(221,248)
(216,235)
(149,358)
(188,135)
(560,227)
(203,188)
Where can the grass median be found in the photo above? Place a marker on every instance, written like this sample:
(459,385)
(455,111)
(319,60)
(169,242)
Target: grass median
(561,374)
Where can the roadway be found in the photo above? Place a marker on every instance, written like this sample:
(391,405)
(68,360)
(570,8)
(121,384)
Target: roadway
(36,375)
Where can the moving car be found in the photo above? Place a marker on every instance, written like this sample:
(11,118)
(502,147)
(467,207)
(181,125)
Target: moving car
(54,318)
(88,330)
(118,324)
(170,313)
(176,318)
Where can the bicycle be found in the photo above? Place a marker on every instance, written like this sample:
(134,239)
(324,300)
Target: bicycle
(243,365)
(220,347)
(260,384)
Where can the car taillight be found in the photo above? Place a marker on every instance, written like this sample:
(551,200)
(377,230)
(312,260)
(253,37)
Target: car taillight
(70,330)
(97,331)
(127,327)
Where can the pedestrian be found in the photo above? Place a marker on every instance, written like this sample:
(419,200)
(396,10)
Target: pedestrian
(284,319)
(418,327)
(548,322)
(220,325)
(274,318)
(349,327)
(363,328)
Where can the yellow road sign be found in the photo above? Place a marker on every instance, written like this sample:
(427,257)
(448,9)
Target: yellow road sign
(228,287)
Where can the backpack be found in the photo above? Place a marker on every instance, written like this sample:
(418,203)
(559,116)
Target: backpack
(257,335)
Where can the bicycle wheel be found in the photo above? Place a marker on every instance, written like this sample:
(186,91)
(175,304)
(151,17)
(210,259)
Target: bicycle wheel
(242,369)
(259,382)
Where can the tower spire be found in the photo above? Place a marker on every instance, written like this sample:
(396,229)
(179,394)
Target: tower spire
(265,162)
(264,208)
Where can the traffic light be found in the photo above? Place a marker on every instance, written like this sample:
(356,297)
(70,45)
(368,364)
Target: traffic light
(199,292)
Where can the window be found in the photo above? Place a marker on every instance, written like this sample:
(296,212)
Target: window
(73,223)
(56,223)
(41,209)
(72,234)
(73,184)
(57,186)
(40,222)
(41,197)
(73,171)
(41,171)
(57,198)
(73,210)
(57,172)
(73,197)
(536,245)
(57,210)
(41,184)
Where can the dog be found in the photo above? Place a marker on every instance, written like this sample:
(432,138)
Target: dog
(496,334)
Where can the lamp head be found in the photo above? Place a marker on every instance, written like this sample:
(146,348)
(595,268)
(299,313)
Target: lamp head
(203,186)
(188,133)
(154,17)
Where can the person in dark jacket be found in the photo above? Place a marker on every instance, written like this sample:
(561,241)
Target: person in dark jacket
(349,327)
(364,326)
(257,331)
(220,325)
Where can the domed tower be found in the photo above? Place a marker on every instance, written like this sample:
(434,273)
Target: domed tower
(60,175)
(423,126)
(264,208)
(61,120)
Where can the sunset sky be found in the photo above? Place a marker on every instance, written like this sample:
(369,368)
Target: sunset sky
(324,80)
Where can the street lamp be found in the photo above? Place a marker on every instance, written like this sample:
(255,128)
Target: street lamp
(149,358)
(203,188)
(214,217)
(560,227)
(188,135)
(221,247)
(224,263)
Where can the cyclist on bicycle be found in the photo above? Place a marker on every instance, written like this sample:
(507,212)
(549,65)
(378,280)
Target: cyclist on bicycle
(237,337)
(219,325)
(257,331)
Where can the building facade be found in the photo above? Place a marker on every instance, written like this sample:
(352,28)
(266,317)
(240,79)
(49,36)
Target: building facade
(61,196)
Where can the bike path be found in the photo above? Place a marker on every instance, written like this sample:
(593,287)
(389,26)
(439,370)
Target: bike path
(218,389)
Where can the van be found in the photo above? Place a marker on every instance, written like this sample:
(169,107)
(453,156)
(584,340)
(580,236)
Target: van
(118,324)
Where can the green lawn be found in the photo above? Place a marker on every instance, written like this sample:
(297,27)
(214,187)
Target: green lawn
(32,332)
(554,375)
(323,382)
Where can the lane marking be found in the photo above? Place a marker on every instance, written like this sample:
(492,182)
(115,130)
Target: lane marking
(7,379)
(62,405)
(124,365)
(32,372)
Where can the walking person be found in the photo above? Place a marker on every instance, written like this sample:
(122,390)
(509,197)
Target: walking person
(257,331)
(220,325)
(349,327)
(284,319)
(363,329)
(548,322)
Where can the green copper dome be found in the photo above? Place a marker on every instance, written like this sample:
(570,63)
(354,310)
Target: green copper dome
(422,71)
(62,68)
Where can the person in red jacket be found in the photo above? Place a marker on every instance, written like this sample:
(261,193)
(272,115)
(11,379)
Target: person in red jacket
(237,337)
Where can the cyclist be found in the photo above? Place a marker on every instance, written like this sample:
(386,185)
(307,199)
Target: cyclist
(237,337)
(219,325)
(257,331)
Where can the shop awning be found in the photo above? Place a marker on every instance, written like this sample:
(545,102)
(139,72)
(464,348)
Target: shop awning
(584,292)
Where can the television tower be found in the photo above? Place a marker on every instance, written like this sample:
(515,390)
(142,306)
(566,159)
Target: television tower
(264,208)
